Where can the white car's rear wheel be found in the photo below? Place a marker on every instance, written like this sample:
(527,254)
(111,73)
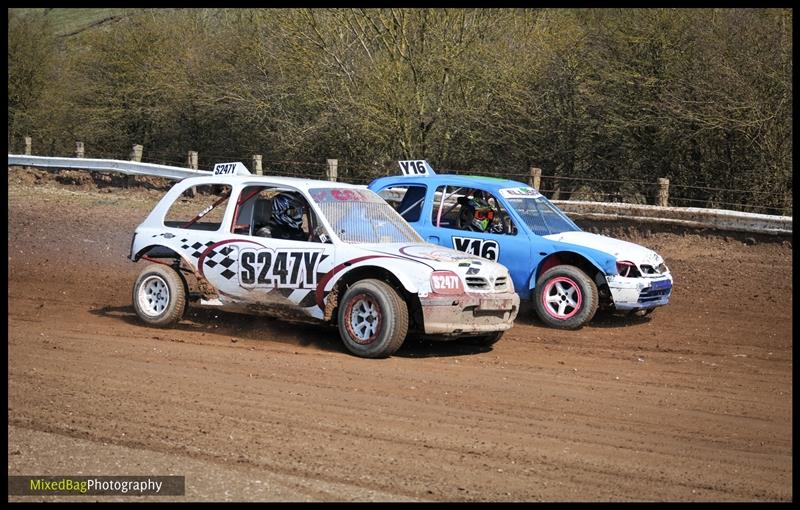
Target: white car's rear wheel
(373,320)
(159,296)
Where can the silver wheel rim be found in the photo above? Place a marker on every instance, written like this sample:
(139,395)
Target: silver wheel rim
(153,296)
(364,320)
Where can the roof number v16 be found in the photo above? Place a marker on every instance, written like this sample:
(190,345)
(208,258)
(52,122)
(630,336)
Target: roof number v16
(413,167)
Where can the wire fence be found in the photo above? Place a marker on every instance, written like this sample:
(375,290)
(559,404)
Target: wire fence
(634,191)
(778,202)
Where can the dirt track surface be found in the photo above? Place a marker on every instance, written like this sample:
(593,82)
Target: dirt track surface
(693,403)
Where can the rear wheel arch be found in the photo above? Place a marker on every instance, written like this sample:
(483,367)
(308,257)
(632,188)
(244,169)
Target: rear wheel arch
(157,251)
(172,259)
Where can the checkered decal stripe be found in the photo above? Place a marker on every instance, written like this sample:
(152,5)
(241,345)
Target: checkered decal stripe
(222,260)
(196,246)
(219,260)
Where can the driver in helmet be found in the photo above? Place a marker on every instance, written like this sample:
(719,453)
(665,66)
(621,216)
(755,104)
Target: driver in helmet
(287,218)
(478,214)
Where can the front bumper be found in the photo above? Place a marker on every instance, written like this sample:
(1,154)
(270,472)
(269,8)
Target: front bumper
(639,293)
(468,314)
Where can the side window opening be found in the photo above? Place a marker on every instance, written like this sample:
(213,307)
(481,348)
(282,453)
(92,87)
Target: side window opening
(276,213)
(445,206)
(201,210)
(406,200)
(469,209)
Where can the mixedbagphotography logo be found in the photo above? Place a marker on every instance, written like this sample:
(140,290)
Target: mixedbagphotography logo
(96,485)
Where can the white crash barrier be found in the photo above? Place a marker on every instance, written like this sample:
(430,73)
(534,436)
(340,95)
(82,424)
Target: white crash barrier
(697,217)
(694,217)
(106,165)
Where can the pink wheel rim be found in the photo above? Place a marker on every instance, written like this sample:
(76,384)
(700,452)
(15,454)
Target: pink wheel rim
(561,298)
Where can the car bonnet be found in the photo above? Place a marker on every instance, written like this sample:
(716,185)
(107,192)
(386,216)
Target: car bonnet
(440,258)
(622,250)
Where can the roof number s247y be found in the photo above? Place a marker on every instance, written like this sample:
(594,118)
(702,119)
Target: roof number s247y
(235,168)
(224,168)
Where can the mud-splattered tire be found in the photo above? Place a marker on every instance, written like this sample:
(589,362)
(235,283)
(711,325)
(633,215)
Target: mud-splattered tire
(159,296)
(373,320)
(485,340)
(565,297)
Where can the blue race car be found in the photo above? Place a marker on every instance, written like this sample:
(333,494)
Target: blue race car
(566,272)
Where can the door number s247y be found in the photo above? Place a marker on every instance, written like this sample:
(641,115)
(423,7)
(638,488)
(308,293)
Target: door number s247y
(278,268)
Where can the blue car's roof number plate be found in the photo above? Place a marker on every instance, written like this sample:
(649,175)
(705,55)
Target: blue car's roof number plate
(416,167)
(519,192)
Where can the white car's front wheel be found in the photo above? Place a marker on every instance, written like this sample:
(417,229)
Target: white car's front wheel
(373,320)
(159,296)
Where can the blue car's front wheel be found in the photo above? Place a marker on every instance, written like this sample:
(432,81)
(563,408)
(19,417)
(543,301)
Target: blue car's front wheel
(565,297)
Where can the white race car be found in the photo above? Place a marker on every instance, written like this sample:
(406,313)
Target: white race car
(315,251)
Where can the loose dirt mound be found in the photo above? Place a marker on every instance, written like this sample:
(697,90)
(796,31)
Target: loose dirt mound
(690,404)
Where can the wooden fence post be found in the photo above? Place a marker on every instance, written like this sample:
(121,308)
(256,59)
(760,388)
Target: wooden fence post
(332,169)
(663,192)
(136,155)
(27,145)
(78,149)
(191,162)
(536,178)
(257,164)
